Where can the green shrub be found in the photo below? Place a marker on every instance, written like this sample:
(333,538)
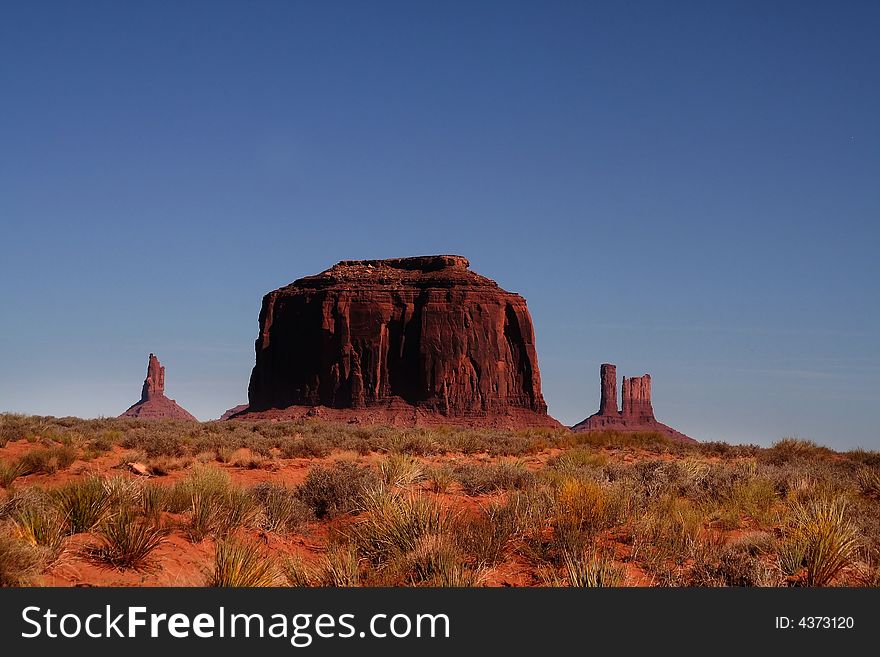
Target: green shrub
(48,460)
(282,510)
(127,541)
(591,569)
(20,562)
(305,447)
(394,524)
(820,540)
(82,503)
(38,525)
(242,564)
(400,470)
(330,491)
(480,479)
(10,471)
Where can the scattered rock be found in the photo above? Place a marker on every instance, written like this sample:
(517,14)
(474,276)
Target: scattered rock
(139,469)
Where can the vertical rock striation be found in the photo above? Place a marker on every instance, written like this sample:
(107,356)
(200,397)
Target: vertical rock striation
(406,340)
(637,414)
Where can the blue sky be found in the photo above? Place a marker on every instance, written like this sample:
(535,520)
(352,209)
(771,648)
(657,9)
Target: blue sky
(685,189)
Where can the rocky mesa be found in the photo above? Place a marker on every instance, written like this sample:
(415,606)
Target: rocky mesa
(153,404)
(405,341)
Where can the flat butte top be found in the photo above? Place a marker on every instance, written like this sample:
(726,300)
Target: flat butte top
(433,271)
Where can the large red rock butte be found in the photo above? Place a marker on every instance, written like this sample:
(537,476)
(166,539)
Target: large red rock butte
(406,341)
(154,405)
(637,413)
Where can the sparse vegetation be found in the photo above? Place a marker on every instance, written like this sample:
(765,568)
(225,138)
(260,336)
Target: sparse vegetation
(127,541)
(82,503)
(436,506)
(240,563)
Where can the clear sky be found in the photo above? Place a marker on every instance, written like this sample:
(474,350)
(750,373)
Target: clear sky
(686,189)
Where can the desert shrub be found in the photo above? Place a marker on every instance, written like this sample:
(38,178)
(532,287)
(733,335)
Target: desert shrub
(20,561)
(820,541)
(297,572)
(668,529)
(478,479)
(738,563)
(38,525)
(82,503)
(48,460)
(414,443)
(788,449)
(394,524)
(869,458)
(869,482)
(754,498)
(254,461)
(578,459)
(330,491)
(152,500)
(583,508)
(242,564)
(590,568)
(400,470)
(611,438)
(281,509)
(218,512)
(440,478)
(726,450)
(126,541)
(484,536)
(305,447)
(10,471)
(339,568)
(436,561)
(123,491)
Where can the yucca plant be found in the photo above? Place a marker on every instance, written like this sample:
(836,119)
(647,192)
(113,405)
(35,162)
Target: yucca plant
(394,524)
(127,541)
(822,537)
(10,471)
(340,567)
(40,526)
(298,573)
(400,470)
(242,564)
(590,569)
(82,503)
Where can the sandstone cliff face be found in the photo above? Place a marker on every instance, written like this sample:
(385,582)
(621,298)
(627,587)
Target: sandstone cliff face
(153,404)
(638,410)
(422,333)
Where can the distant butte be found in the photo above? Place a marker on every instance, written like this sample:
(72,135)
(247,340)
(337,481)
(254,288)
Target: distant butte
(405,341)
(637,413)
(154,405)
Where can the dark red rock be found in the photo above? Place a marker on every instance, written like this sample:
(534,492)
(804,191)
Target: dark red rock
(608,399)
(235,410)
(154,405)
(636,395)
(638,411)
(406,340)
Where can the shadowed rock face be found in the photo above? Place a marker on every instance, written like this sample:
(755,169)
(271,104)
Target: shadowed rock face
(637,413)
(153,403)
(636,395)
(154,384)
(608,399)
(421,336)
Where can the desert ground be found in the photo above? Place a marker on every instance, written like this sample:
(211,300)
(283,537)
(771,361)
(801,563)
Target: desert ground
(127,502)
